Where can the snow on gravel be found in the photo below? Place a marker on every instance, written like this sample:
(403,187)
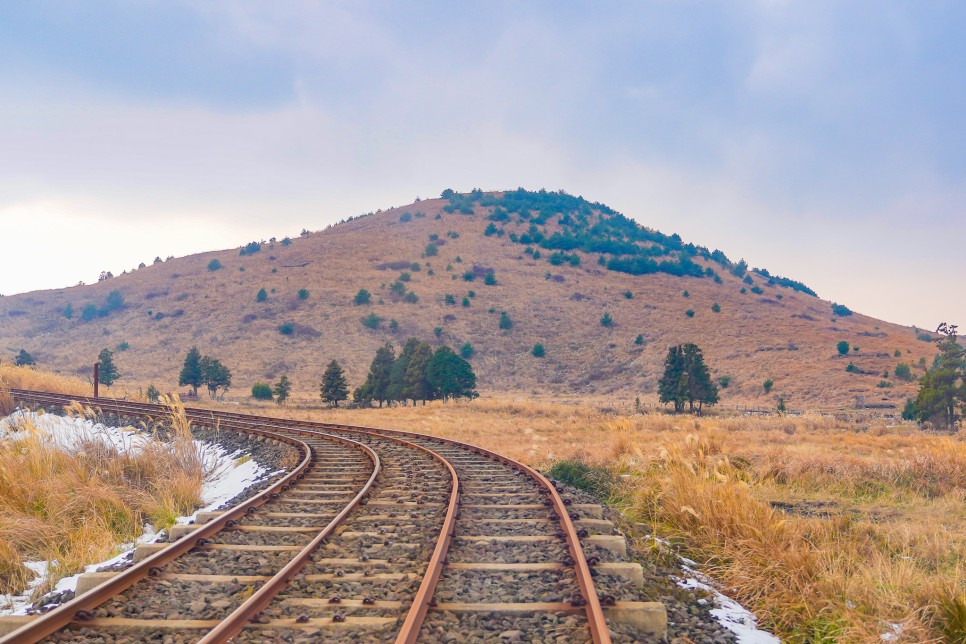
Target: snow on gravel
(230,475)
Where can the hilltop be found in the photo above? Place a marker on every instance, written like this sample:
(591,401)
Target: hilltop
(444,270)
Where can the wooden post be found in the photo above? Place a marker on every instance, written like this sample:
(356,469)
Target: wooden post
(97,376)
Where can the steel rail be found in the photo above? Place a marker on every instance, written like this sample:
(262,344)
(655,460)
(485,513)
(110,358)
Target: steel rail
(595,613)
(66,613)
(238,619)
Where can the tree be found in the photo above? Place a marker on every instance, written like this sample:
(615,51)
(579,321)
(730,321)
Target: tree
(262,295)
(416,379)
(489,279)
(538,351)
(843,347)
(686,379)
(397,374)
(362,297)
(152,394)
(107,371)
(282,389)
(214,265)
(334,386)
(376,386)
(451,376)
(69,311)
(191,374)
(467,351)
(303,293)
(942,391)
(768,384)
(215,375)
(261,391)
(505,322)
(24,359)
(606,319)
(903,371)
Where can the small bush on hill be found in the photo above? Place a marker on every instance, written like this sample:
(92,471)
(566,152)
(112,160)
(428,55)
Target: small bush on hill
(606,320)
(214,265)
(467,351)
(286,328)
(538,351)
(362,297)
(841,310)
(843,347)
(303,293)
(689,313)
(371,321)
(505,321)
(262,295)
(261,391)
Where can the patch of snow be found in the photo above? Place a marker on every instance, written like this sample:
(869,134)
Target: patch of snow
(894,631)
(228,477)
(729,613)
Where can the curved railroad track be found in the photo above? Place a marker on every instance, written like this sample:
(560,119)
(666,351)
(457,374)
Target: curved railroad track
(376,535)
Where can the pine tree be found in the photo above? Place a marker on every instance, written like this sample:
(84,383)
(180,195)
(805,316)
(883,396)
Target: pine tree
(397,374)
(282,389)
(24,359)
(942,391)
(686,379)
(191,371)
(334,386)
(376,386)
(107,371)
(417,385)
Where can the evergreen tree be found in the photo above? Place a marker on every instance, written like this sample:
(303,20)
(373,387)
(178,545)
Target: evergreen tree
(24,359)
(942,391)
(376,386)
(107,372)
(334,386)
(417,385)
(450,376)
(191,375)
(282,389)
(214,375)
(686,379)
(397,374)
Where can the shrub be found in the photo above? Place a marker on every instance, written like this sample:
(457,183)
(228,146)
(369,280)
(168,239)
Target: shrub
(449,299)
(24,359)
(466,301)
(362,297)
(743,290)
(716,308)
(68,311)
(724,381)
(884,384)
(152,393)
(903,371)
(767,385)
(639,340)
(286,328)
(458,260)
(303,293)
(538,350)
(405,276)
(88,313)
(843,347)
(471,293)
(851,368)
(686,294)
(411,297)
(505,321)
(262,295)
(841,310)
(491,230)
(490,279)
(371,321)
(286,242)
(250,248)
(897,354)
(431,250)
(214,265)
(405,217)
(438,331)
(467,351)
(124,346)
(453,234)
(757,290)
(689,313)
(261,391)
(606,319)
(469,276)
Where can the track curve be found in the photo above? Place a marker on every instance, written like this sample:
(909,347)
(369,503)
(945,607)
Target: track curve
(472,473)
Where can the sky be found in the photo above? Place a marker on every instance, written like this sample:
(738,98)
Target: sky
(823,141)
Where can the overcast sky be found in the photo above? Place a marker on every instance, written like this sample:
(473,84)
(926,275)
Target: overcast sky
(824,141)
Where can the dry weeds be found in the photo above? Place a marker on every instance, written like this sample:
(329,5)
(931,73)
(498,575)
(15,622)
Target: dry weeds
(829,531)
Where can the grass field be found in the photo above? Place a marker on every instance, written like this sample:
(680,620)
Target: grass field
(829,531)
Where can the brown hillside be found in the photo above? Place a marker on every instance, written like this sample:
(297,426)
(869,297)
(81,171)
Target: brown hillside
(781,334)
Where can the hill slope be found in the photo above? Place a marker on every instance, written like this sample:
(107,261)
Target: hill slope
(559,262)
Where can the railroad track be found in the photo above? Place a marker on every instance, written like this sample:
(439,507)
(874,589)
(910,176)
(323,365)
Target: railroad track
(376,535)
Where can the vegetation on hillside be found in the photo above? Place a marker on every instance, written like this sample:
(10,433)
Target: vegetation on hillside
(417,374)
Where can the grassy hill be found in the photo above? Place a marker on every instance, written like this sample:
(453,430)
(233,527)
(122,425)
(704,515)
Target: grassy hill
(558,264)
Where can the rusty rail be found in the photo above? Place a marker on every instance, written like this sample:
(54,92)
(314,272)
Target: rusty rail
(594,611)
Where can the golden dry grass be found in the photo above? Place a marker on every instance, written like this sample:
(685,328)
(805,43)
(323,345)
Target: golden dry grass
(73,506)
(791,340)
(828,530)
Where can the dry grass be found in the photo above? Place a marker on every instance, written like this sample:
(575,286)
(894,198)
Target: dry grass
(72,507)
(828,530)
(792,340)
